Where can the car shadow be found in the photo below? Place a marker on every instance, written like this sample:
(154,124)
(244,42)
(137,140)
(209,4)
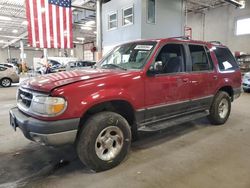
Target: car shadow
(36,162)
(150,139)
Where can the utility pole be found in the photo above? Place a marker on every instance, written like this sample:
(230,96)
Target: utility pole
(22,50)
(45,54)
(99,29)
(8,51)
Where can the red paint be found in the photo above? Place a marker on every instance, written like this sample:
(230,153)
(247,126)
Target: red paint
(44,32)
(36,24)
(52,31)
(85,88)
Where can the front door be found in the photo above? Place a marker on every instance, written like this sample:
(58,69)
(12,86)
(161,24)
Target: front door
(167,90)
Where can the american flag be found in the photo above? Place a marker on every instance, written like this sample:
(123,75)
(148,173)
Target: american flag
(49,23)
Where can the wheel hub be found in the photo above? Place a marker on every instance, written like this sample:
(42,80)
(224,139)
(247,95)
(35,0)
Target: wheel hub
(223,108)
(6,82)
(109,143)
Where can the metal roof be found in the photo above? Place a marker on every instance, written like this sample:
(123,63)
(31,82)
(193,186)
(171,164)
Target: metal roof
(13,16)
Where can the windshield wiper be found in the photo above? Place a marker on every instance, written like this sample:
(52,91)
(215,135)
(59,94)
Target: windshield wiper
(114,66)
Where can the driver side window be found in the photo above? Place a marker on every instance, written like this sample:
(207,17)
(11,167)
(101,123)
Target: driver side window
(170,59)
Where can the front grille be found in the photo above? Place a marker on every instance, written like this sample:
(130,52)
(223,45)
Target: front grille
(24,97)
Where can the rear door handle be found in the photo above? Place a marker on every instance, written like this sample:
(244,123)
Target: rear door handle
(215,77)
(194,82)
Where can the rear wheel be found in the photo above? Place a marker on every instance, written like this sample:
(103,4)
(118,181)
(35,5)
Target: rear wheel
(6,82)
(104,141)
(220,109)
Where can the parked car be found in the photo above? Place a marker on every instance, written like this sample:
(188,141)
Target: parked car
(9,65)
(139,86)
(8,76)
(63,61)
(74,65)
(246,82)
(53,66)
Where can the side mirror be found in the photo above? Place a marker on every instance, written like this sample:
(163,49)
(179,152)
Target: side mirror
(155,68)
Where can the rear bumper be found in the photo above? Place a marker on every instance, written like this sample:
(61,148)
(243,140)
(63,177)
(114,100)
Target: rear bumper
(51,133)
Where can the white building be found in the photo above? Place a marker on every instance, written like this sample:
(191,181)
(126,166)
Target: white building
(128,20)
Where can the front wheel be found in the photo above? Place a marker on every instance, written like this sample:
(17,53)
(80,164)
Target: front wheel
(104,141)
(220,108)
(6,82)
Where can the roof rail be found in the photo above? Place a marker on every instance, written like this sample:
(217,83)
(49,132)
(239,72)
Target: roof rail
(215,42)
(181,37)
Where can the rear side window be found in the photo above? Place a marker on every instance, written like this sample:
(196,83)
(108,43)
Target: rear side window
(225,59)
(199,58)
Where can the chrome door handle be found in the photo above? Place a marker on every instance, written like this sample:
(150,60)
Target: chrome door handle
(194,82)
(215,77)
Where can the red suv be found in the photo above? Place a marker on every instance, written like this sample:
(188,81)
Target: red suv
(139,86)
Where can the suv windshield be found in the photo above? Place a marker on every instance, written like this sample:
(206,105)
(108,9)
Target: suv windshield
(128,56)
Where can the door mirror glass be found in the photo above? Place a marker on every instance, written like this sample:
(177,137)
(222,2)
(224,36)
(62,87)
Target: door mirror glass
(155,68)
(158,66)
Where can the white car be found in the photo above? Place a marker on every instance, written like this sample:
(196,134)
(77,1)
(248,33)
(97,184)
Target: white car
(8,76)
(246,82)
(9,65)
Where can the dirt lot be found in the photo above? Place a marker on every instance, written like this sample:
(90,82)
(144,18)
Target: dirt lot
(191,155)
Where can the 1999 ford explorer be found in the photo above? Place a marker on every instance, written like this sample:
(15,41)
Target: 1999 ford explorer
(139,86)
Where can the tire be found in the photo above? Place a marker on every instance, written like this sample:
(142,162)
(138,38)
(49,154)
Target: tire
(6,82)
(220,108)
(104,141)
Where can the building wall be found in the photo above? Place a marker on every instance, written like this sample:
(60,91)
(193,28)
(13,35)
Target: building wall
(219,24)
(122,33)
(30,54)
(15,53)
(169,19)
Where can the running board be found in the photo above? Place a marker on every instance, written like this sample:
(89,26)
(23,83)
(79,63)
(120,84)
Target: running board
(174,121)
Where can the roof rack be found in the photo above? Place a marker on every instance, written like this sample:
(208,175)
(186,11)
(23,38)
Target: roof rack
(215,42)
(181,37)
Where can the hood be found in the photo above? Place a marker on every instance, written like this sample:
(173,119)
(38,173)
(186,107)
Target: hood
(48,82)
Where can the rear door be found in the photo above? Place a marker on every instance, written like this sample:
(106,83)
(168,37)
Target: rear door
(202,77)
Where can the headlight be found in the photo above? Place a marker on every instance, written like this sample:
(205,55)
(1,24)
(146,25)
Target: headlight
(48,106)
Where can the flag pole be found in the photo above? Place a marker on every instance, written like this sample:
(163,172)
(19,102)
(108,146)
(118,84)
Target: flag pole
(22,56)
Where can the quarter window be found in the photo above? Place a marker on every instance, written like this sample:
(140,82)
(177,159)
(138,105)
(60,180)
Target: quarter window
(199,58)
(112,21)
(127,16)
(225,59)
